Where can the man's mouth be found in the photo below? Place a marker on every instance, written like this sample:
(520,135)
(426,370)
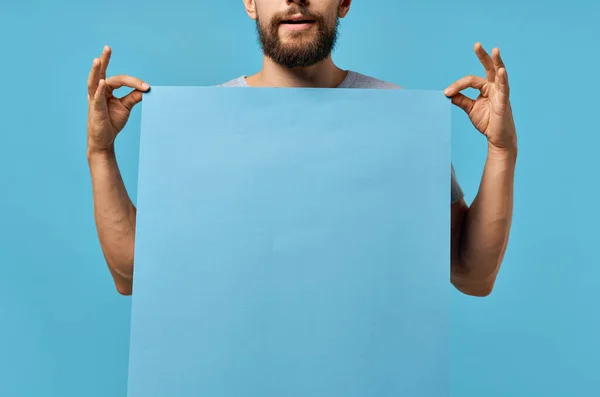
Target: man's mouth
(297,23)
(297,20)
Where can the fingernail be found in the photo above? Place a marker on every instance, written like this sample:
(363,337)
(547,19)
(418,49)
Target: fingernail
(447,91)
(145,86)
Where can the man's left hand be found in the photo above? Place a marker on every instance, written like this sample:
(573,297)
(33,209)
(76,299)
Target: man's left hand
(490,113)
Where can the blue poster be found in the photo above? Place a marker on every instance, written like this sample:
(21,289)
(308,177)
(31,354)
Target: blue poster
(292,242)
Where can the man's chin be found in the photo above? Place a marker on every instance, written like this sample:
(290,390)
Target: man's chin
(297,39)
(299,45)
(297,60)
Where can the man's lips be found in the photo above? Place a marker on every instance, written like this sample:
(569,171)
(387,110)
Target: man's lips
(298,18)
(297,22)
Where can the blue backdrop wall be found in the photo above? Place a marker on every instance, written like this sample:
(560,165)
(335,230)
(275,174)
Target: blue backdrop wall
(63,328)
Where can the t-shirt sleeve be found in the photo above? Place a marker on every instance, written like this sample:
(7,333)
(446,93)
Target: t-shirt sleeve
(456,192)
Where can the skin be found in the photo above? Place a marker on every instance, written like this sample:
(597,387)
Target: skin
(479,232)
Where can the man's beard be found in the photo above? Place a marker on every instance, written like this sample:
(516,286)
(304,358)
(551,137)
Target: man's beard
(300,54)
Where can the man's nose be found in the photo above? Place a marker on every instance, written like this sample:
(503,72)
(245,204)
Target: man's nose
(299,2)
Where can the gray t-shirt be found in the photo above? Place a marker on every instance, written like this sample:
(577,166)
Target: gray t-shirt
(357,80)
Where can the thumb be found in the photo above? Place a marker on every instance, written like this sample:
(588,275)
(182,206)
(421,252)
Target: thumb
(463,102)
(132,99)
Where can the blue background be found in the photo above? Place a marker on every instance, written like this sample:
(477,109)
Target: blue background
(64,330)
(281,257)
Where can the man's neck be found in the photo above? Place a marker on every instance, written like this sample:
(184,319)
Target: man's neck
(322,75)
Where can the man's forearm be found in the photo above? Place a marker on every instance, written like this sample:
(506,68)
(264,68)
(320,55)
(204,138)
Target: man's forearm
(487,223)
(115,217)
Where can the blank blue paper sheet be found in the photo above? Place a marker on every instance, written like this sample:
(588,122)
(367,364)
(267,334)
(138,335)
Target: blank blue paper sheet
(292,243)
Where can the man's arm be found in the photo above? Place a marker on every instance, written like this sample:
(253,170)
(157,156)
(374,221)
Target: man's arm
(480,232)
(113,210)
(115,218)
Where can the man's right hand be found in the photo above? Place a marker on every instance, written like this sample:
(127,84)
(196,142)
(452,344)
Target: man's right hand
(107,114)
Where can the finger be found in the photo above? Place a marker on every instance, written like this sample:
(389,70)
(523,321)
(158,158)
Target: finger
(100,96)
(503,91)
(132,99)
(93,78)
(486,61)
(463,102)
(117,82)
(105,60)
(501,83)
(497,59)
(475,82)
